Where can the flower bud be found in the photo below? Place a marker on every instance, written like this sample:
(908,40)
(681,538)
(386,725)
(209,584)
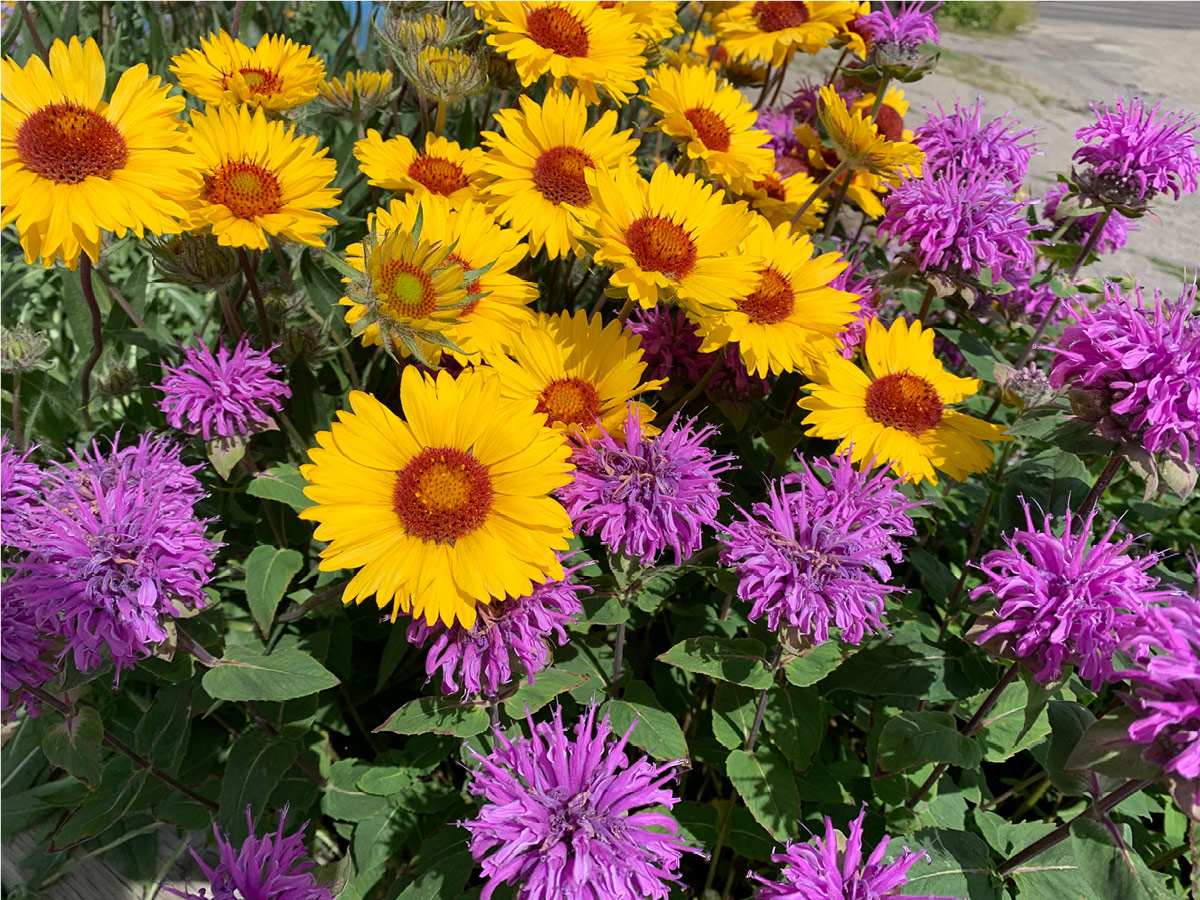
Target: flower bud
(22,349)
(194,260)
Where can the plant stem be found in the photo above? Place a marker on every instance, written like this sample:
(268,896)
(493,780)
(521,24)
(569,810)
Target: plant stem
(33,32)
(439,123)
(618,658)
(263,324)
(697,388)
(1102,482)
(229,315)
(752,738)
(836,207)
(821,188)
(926,301)
(18,436)
(722,833)
(119,299)
(626,309)
(85,374)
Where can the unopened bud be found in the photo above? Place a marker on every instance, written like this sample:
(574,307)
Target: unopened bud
(21,349)
(194,260)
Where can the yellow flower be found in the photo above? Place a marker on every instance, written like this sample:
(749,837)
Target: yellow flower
(705,50)
(445,509)
(444,168)
(672,238)
(898,410)
(864,189)
(538,168)
(716,122)
(276,75)
(792,319)
(859,142)
(74,166)
(592,47)
(777,199)
(848,37)
(581,374)
(772,32)
(364,91)
(889,118)
(655,19)
(258,179)
(445,75)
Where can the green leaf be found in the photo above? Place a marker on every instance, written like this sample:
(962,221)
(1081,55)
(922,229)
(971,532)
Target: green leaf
(74,745)
(656,732)
(257,761)
(912,739)
(906,665)
(282,675)
(957,866)
(1107,749)
(439,715)
(700,823)
(344,799)
(1017,721)
(385,780)
(603,609)
(282,483)
(796,722)
(1050,480)
(225,453)
(814,665)
(269,571)
(448,867)
(547,685)
(1114,873)
(119,786)
(341,265)
(739,661)
(733,710)
(765,781)
(936,576)
(1068,724)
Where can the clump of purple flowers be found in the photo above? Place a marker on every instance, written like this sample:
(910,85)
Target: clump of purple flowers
(1066,599)
(850,279)
(959,224)
(20,493)
(510,637)
(272,867)
(822,868)
(1114,233)
(905,27)
(231,394)
(1133,153)
(24,652)
(962,140)
(815,555)
(569,818)
(644,494)
(1135,370)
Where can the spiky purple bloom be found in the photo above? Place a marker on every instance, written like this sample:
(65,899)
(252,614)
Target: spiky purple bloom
(962,140)
(510,638)
(568,818)
(231,394)
(959,224)
(1135,370)
(863,284)
(815,555)
(25,650)
(780,123)
(272,867)
(644,494)
(1065,598)
(905,26)
(1134,153)
(1113,235)
(821,868)
(20,494)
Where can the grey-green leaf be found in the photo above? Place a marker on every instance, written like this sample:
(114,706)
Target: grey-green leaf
(282,675)
(765,781)
(439,715)
(739,661)
(269,571)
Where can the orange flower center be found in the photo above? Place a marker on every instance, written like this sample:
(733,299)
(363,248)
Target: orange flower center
(438,175)
(780,14)
(659,245)
(570,401)
(889,123)
(260,81)
(406,291)
(710,127)
(773,186)
(472,288)
(245,189)
(772,301)
(559,30)
(67,143)
(558,174)
(906,402)
(443,494)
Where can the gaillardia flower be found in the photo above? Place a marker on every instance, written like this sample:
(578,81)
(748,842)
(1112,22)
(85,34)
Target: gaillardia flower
(644,494)
(443,168)
(362,92)
(276,75)
(897,411)
(258,179)
(572,818)
(656,20)
(446,509)
(228,394)
(961,139)
(74,165)
(815,555)
(672,238)
(861,143)
(773,32)
(538,166)
(777,199)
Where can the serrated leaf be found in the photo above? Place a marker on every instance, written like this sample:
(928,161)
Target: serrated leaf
(765,781)
(739,661)
(656,731)
(911,739)
(1113,872)
(269,571)
(1107,749)
(438,715)
(283,675)
(733,710)
(344,799)
(119,786)
(957,865)
(905,665)
(816,664)
(547,685)
(282,483)
(74,745)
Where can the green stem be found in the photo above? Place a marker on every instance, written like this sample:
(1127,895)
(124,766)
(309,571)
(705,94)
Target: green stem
(722,833)
(85,374)
(836,207)
(752,737)
(439,124)
(821,188)
(18,436)
(626,309)
(263,324)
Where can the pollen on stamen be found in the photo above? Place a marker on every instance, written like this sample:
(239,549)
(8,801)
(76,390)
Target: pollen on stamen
(442,495)
(660,245)
(772,301)
(558,174)
(780,14)
(570,401)
(438,175)
(710,128)
(906,402)
(67,143)
(559,30)
(245,189)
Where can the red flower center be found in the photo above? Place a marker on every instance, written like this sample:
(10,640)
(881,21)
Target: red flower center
(558,174)
(710,127)
(889,123)
(906,402)
(570,401)
(260,81)
(438,175)
(559,30)
(780,14)
(442,495)
(772,301)
(659,245)
(406,291)
(67,143)
(245,189)
(773,186)
(472,288)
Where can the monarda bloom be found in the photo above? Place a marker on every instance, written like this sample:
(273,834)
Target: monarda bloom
(962,139)
(20,494)
(571,818)
(1133,153)
(1134,370)
(229,394)
(1063,598)
(511,638)
(815,555)
(645,494)
(272,867)
(834,867)
(25,650)
(1113,234)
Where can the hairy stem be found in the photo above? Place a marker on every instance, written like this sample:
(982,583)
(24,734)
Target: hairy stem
(821,188)
(697,388)
(85,374)
(1102,482)
(264,325)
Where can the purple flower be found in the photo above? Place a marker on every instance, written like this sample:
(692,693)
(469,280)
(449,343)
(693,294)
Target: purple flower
(1136,370)
(569,818)
(510,637)
(1133,154)
(24,651)
(1068,599)
(863,284)
(962,140)
(780,123)
(645,494)
(825,869)
(20,494)
(1113,235)
(959,224)
(815,555)
(231,394)
(905,27)
(272,867)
